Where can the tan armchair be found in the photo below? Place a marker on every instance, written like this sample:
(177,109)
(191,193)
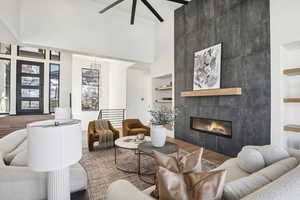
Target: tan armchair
(134,127)
(93,136)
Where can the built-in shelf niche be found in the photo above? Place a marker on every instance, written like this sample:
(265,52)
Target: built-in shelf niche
(162,90)
(213,92)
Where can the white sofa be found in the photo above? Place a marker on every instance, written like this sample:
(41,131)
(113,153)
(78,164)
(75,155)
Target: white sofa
(18,182)
(282,178)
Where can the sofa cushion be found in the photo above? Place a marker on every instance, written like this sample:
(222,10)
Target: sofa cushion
(21,159)
(242,187)
(285,187)
(270,153)
(250,160)
(11,141)
(234,172)
(10,156)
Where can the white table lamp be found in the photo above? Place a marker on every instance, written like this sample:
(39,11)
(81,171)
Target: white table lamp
(62,113)
(53,146)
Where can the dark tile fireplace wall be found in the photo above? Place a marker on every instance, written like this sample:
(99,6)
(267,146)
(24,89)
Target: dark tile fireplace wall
(243,28)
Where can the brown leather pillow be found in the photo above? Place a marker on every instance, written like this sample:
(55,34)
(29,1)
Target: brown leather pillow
(187,163)
(191,185)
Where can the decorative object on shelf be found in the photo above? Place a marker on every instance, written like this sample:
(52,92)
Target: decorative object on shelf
(63,113)
(161,116)
(53,149)
(207,68)
(140,136)
(90,89)
(146,3)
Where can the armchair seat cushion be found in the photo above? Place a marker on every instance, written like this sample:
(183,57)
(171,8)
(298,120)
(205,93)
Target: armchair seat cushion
(138,130)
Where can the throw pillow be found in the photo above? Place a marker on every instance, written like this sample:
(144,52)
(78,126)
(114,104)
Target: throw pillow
(250,160)
(191,185)
(21,159)
(270,153)
(273,154)
(10,156)
(189,162)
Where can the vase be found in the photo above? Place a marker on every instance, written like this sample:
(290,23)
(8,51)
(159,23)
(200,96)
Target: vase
(158,135)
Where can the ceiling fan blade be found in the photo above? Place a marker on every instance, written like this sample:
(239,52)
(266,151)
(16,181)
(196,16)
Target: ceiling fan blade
(152,10)
(133,11)
(180,1)
(110,6)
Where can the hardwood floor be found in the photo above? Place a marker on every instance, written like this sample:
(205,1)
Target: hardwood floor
(11,123)
(207,154)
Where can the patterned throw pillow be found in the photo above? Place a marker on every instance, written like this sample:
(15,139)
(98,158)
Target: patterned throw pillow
(187,163)
(191,185)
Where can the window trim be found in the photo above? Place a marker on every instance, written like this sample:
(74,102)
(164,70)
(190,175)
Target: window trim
(9,103)
(51,57)
(50,85)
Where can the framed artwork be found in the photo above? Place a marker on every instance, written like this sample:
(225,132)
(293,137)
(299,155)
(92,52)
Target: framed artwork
(90,90)
(207,68)
(5,49)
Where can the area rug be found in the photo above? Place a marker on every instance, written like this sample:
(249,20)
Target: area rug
(101,170)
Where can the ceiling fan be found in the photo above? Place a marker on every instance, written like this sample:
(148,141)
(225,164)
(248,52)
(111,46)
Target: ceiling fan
(146,3)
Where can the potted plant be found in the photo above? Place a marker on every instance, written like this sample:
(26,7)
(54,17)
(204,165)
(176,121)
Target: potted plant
(161,116)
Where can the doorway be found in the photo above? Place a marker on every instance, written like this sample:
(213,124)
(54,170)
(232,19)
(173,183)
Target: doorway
(30,88)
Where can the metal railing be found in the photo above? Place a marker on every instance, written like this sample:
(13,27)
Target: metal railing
(115,116)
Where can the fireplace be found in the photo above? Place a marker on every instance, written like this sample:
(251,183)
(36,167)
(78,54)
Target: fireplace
(212,126)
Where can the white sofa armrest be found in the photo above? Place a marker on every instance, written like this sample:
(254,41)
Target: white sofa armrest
(122,189)
(21,183)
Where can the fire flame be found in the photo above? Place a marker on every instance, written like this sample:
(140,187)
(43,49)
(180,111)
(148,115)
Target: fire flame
(214,126)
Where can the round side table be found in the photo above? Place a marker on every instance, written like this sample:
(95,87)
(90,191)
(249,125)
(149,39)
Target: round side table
(129,143)
(147,149)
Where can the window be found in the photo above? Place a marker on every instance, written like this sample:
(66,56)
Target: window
(90,90)
(5,49)
(31,52)
(54,87)
(4,85)
(55,55)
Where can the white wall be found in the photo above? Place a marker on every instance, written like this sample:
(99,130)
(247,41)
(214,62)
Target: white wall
(117,85)
(75,25)
(164,47)
(284,31)
(138,94)
(10,16)
(5,35)
(113,86)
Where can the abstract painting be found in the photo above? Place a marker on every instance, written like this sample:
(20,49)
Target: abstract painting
(207,68)
(90,90)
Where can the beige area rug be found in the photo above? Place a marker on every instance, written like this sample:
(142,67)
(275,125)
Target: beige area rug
(102,172)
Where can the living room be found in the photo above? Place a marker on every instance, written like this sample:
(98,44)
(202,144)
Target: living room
(167,99)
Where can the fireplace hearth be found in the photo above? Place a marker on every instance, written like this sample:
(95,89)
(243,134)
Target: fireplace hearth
(212,126)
